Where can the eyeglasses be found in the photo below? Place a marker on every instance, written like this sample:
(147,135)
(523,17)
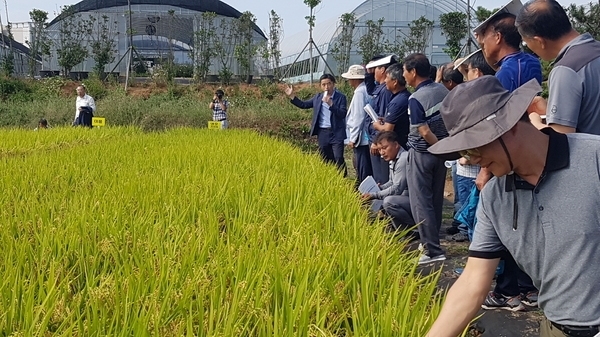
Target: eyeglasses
(467,154)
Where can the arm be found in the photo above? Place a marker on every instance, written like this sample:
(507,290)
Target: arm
(397,183)
(356,115)
(370,81)
(464,298)
(91,103)
(303,104)
(426,133)
(340,105)
(418,119)
(562,113)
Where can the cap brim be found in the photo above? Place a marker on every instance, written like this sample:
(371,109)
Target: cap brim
(353,77)
(512,7)
(464,59)
(381,62)
(491,128)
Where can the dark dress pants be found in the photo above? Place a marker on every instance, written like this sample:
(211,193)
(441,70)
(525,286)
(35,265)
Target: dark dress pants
(362,163)
(331,149)
(426,177)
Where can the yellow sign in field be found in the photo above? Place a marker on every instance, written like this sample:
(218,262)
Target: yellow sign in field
(214,125)
(98,121)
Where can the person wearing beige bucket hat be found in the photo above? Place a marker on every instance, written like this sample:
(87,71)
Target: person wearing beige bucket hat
(541,207)
(356,129)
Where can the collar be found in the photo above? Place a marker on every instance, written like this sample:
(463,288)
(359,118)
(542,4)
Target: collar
(507,56)
(581,39)
(556,159)
(424,83)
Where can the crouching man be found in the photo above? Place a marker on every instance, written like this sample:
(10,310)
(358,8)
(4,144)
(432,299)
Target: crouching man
(394,193)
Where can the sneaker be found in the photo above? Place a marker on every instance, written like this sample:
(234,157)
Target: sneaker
(452,230)
(421,248)
(424,259)
(497,301)
(530,299)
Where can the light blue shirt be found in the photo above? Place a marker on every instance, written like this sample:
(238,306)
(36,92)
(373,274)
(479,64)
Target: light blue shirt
(325,115)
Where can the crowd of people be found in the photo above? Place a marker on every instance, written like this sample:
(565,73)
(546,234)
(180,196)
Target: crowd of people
(525,169)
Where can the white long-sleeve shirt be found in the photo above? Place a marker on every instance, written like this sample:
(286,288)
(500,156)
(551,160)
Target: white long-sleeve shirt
(356,116)
(86,100)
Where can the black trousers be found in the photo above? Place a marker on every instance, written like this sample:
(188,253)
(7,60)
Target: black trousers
(331,149)
(513,281)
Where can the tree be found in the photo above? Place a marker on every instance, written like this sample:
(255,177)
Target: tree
(275,34)
(39,44)
(311,18)
(482,13)
(204,45)
(71,36)
(246,49)
(7,63)
(586,18)
(102,36)
(225,46)
(371,43)
(454,26)
(418,38)
(343,44)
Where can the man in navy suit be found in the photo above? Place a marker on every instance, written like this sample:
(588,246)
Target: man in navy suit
(328,120)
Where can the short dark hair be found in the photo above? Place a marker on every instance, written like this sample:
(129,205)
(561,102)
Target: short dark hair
(389,136)
(432,72)
(478,61)
(419,62)
(220,92)
(328,77)
(43,121)
(505,25)
(449,74)
(395,71)
(544,18)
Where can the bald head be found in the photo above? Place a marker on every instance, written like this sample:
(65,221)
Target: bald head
(543,18)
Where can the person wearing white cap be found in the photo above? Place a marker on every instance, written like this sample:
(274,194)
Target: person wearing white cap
(358,137)
(541,207)
(381,97)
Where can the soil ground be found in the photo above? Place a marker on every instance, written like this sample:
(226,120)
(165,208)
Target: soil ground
(493,323)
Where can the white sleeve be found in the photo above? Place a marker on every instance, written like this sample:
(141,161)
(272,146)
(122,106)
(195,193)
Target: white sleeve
(356,115)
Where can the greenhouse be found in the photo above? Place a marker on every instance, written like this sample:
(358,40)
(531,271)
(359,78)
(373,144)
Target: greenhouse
(396,17)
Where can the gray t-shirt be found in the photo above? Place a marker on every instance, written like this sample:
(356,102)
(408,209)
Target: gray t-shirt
(557,240)
(574,84)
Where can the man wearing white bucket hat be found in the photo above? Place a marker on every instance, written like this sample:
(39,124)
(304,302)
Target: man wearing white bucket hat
(541,207)
(358,137)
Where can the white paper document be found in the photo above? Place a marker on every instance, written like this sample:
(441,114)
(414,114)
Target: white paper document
(369,109)
(369,185)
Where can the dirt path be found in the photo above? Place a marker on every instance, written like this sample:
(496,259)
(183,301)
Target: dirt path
(493,323)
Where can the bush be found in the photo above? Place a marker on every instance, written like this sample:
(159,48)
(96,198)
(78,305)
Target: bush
(15,89)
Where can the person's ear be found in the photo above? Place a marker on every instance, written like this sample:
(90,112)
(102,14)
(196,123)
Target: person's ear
(540,41)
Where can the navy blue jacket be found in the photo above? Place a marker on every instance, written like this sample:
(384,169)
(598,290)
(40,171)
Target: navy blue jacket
(338,113)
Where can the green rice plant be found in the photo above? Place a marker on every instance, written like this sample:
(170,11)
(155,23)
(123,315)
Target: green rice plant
(194,232)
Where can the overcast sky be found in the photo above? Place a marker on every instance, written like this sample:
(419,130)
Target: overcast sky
(291,11)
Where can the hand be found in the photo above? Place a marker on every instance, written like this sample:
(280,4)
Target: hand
(215,98)
(439,74)
(374,150)
(289,91)
(327,100)
(463,161)
(351,145)
(366,196)
(538,105)
(370,70)
(482,178)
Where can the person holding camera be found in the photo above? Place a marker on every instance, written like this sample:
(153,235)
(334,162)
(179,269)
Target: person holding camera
(219,107)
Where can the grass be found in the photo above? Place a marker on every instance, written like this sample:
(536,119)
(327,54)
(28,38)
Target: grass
(193,232)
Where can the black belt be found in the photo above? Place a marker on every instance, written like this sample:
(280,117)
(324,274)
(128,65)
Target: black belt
(577,331)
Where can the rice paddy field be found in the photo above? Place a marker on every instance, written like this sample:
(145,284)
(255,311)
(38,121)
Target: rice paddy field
(193,232)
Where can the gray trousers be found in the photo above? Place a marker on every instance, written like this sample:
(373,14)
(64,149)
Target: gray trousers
(398,207)
(426,176)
